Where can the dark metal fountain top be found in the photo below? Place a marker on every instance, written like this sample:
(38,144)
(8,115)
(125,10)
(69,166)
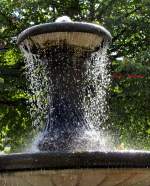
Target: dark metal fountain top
(82,34)
(64,27)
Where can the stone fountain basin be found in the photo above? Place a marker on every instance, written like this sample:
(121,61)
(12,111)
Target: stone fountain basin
(75,169)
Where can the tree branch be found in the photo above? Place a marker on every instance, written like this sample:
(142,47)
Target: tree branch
(92,10)
(13,104)
(104,9)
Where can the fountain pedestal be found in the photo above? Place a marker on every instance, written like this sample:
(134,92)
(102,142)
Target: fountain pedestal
(67,75)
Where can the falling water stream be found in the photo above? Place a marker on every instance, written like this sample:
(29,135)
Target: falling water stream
(86,79)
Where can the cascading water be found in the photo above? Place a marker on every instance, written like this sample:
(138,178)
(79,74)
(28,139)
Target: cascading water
(68,79)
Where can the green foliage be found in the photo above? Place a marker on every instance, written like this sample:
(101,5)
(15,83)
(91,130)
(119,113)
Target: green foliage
(129,23)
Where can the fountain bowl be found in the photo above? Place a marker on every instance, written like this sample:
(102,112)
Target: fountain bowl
(85,35)
(72,169)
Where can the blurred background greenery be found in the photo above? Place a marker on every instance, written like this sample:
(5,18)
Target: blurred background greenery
(129,23)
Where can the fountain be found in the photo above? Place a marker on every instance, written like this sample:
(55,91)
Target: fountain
(67,69)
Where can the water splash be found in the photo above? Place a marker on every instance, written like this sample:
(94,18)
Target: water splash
(68,92)
(63,19)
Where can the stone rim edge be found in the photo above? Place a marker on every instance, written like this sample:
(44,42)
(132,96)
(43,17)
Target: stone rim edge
(57,160)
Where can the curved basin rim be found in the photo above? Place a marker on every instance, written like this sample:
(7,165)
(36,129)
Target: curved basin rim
(57,160)
(65,27)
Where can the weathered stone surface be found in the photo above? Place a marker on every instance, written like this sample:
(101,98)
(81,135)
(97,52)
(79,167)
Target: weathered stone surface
(78,177)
